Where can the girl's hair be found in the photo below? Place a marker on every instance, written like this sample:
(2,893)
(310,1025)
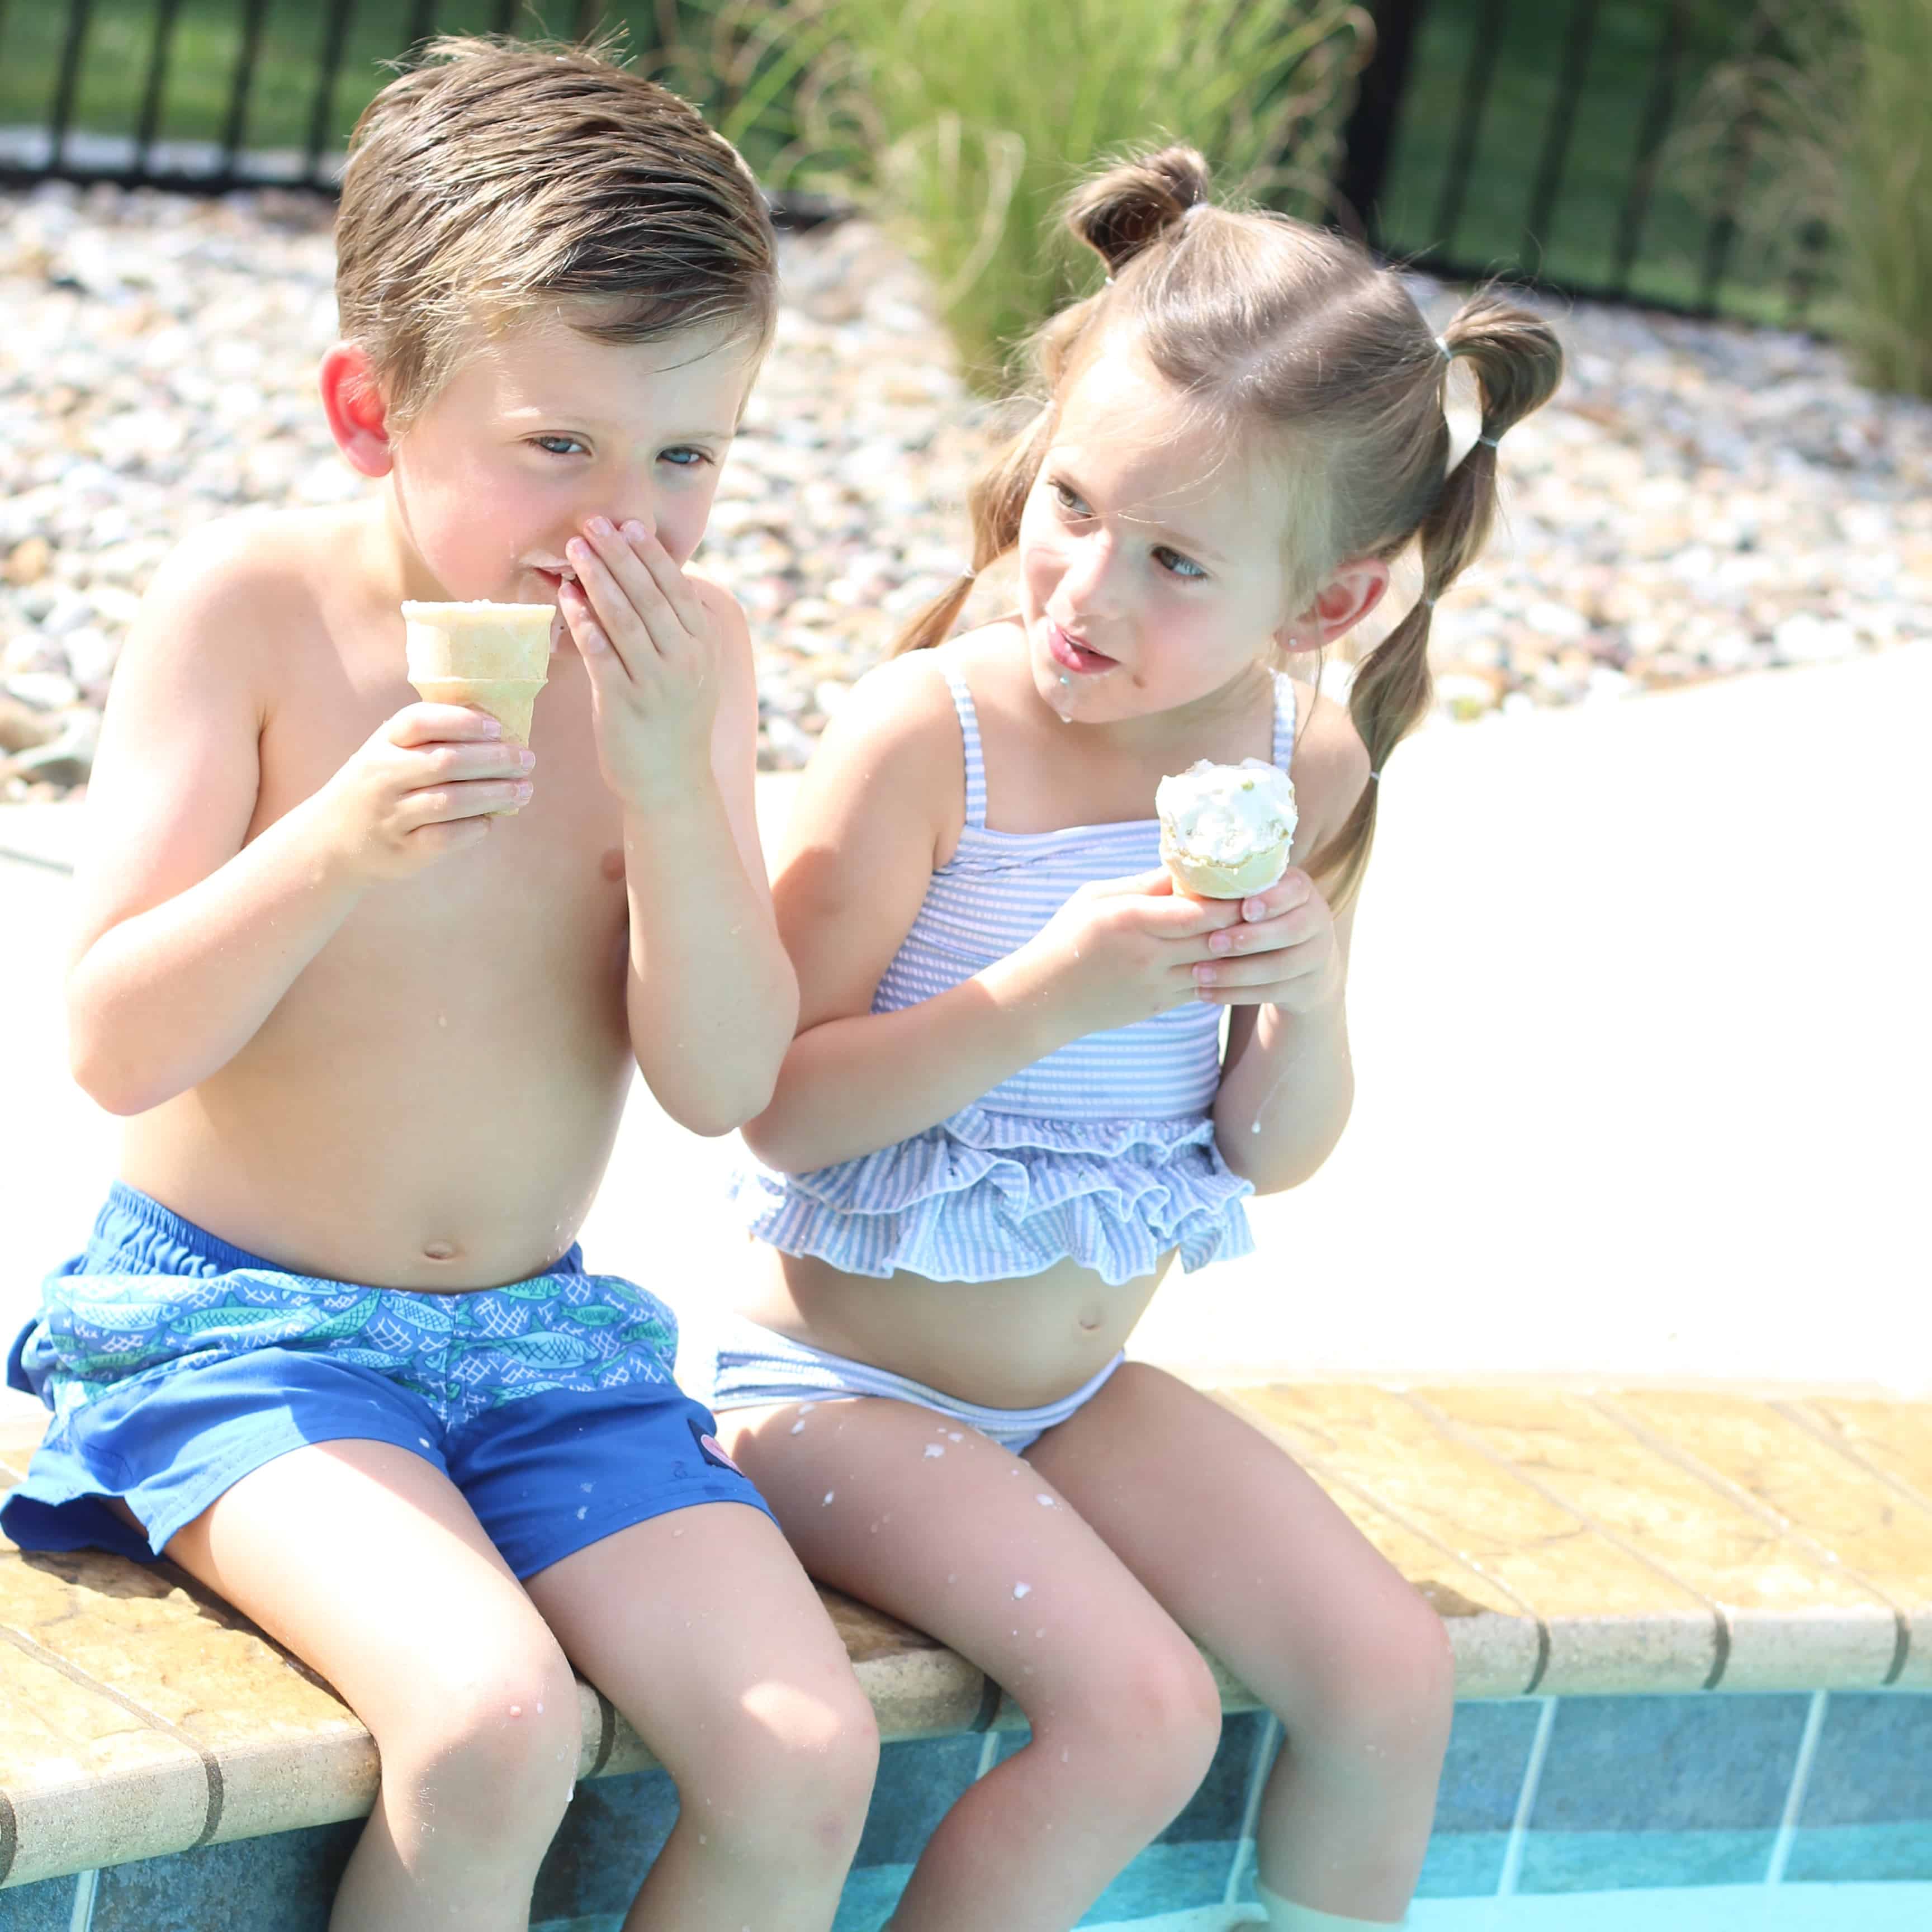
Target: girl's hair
(1271,326)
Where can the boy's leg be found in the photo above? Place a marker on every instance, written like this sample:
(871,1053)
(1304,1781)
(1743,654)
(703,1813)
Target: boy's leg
(1249,1555)
(700,1626)
(364,1560)
(940,1526)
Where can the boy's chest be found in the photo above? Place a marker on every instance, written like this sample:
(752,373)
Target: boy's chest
(550,874)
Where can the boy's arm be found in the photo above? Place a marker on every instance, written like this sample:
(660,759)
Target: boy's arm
(712,997)
(188,936)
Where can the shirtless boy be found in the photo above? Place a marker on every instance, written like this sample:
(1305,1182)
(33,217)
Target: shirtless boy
(331,1347)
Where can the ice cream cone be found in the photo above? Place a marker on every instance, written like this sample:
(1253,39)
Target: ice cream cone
(510,700)
(488,655)
(1226,830)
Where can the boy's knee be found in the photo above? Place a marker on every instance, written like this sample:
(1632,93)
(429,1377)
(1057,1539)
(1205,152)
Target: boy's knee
(788,1778)
(491,1751)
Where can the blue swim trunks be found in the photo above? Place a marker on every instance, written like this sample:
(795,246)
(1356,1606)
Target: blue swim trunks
(174,1365)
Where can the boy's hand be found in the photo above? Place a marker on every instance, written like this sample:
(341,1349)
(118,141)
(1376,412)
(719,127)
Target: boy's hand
(418,789)
(1121,950)
(1282,953)
(650,646)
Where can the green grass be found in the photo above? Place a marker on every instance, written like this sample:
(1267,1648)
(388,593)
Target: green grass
(746,82)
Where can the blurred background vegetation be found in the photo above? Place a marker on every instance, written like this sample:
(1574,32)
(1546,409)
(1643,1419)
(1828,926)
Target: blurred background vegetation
(1799,125)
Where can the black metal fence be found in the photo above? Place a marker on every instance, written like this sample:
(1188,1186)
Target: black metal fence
(1530,138)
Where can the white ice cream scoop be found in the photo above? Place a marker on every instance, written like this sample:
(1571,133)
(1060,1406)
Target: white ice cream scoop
(1226,830)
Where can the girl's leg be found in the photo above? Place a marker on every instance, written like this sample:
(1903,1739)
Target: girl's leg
(1248,1555)
(364,1560)
(938,1525)
(702,1629)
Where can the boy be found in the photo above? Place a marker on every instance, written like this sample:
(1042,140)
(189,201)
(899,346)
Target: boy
(330,1348)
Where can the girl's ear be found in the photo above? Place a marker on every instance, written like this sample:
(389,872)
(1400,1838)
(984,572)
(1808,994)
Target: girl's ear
(1351,592)
(357,416)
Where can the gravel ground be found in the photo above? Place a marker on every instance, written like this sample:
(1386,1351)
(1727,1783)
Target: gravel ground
(1702,500)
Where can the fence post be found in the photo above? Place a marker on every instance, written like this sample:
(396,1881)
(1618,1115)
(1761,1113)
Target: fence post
(1370,133)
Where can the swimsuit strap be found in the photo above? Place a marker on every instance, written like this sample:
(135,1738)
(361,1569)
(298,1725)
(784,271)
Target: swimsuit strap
(969,737)
(1284,718)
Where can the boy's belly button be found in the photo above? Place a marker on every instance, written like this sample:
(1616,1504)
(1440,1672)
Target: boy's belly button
(1090,1317)
(440,1251)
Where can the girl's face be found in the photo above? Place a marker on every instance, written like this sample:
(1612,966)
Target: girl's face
(542,429)
(1151,555)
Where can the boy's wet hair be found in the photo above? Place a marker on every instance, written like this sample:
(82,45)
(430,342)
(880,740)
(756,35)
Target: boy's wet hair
(499,179)
(1297,341)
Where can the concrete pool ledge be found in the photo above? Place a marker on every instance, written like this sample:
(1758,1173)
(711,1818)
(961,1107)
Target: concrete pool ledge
(1575,1544)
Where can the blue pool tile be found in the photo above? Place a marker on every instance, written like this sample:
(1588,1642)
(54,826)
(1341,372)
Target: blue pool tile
(1482,1774)
(1621,1861)
(868,1897)
(1873,1764)
(614,1828)
(1838,1853)
(1463,1865)
(1166,1878)
(47,1905)
(1669,1764)
(287,1881)
(918,1781)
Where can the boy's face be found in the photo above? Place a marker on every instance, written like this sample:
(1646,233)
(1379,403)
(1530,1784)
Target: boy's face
(540,428)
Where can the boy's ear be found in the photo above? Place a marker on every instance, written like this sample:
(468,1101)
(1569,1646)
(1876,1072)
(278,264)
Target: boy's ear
(358,417)
(1352,591)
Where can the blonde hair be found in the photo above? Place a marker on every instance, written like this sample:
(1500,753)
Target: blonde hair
(1276,326)
(500,176)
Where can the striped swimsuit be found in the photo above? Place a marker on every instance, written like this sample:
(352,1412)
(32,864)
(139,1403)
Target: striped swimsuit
(1103,1151)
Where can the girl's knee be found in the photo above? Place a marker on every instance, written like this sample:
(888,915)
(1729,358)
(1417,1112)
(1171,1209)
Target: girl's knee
(1150,1720)
(1386,1684)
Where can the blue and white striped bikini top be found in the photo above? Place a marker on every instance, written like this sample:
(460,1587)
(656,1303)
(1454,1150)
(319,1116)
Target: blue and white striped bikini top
(997,891)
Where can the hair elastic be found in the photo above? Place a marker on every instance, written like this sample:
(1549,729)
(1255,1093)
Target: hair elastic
(968,574)
(1490,440)
(1193,208)
(1448,354)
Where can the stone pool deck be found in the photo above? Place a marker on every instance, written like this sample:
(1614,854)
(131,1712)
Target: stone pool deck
(1590,1550)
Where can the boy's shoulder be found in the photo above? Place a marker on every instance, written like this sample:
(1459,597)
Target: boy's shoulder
(251,564)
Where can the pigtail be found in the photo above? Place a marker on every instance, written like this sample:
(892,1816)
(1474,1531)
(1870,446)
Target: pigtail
(994,503)
(1135,201)
(1518,363)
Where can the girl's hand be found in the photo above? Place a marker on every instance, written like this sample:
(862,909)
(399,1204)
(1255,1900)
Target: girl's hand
(1121,950)
(1282,953)
(420,788)
(650,646)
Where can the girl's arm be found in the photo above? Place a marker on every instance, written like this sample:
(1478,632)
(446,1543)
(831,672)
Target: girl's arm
(881,802)
(1287,1082)
(189,931)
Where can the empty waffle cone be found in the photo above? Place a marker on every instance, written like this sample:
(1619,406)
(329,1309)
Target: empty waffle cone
(510,700)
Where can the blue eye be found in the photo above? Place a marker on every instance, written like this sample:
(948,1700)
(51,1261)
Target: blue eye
(1175,565)
(684,457)
(550,445)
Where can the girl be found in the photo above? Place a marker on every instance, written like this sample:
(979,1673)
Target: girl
(1008,1108)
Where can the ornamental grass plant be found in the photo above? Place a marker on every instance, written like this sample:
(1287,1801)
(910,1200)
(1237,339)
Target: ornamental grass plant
(969,120)
(1832,102)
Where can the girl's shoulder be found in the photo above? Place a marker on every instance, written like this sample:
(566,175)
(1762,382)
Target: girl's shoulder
(1330,768)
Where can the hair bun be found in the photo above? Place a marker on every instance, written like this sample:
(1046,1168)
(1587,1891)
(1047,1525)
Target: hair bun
(1121,210)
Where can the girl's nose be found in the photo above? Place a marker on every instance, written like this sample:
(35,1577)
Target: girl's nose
(1088,584)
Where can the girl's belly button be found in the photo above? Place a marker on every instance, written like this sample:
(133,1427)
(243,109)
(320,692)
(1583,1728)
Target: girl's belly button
(1090,1318)
(440,1251)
